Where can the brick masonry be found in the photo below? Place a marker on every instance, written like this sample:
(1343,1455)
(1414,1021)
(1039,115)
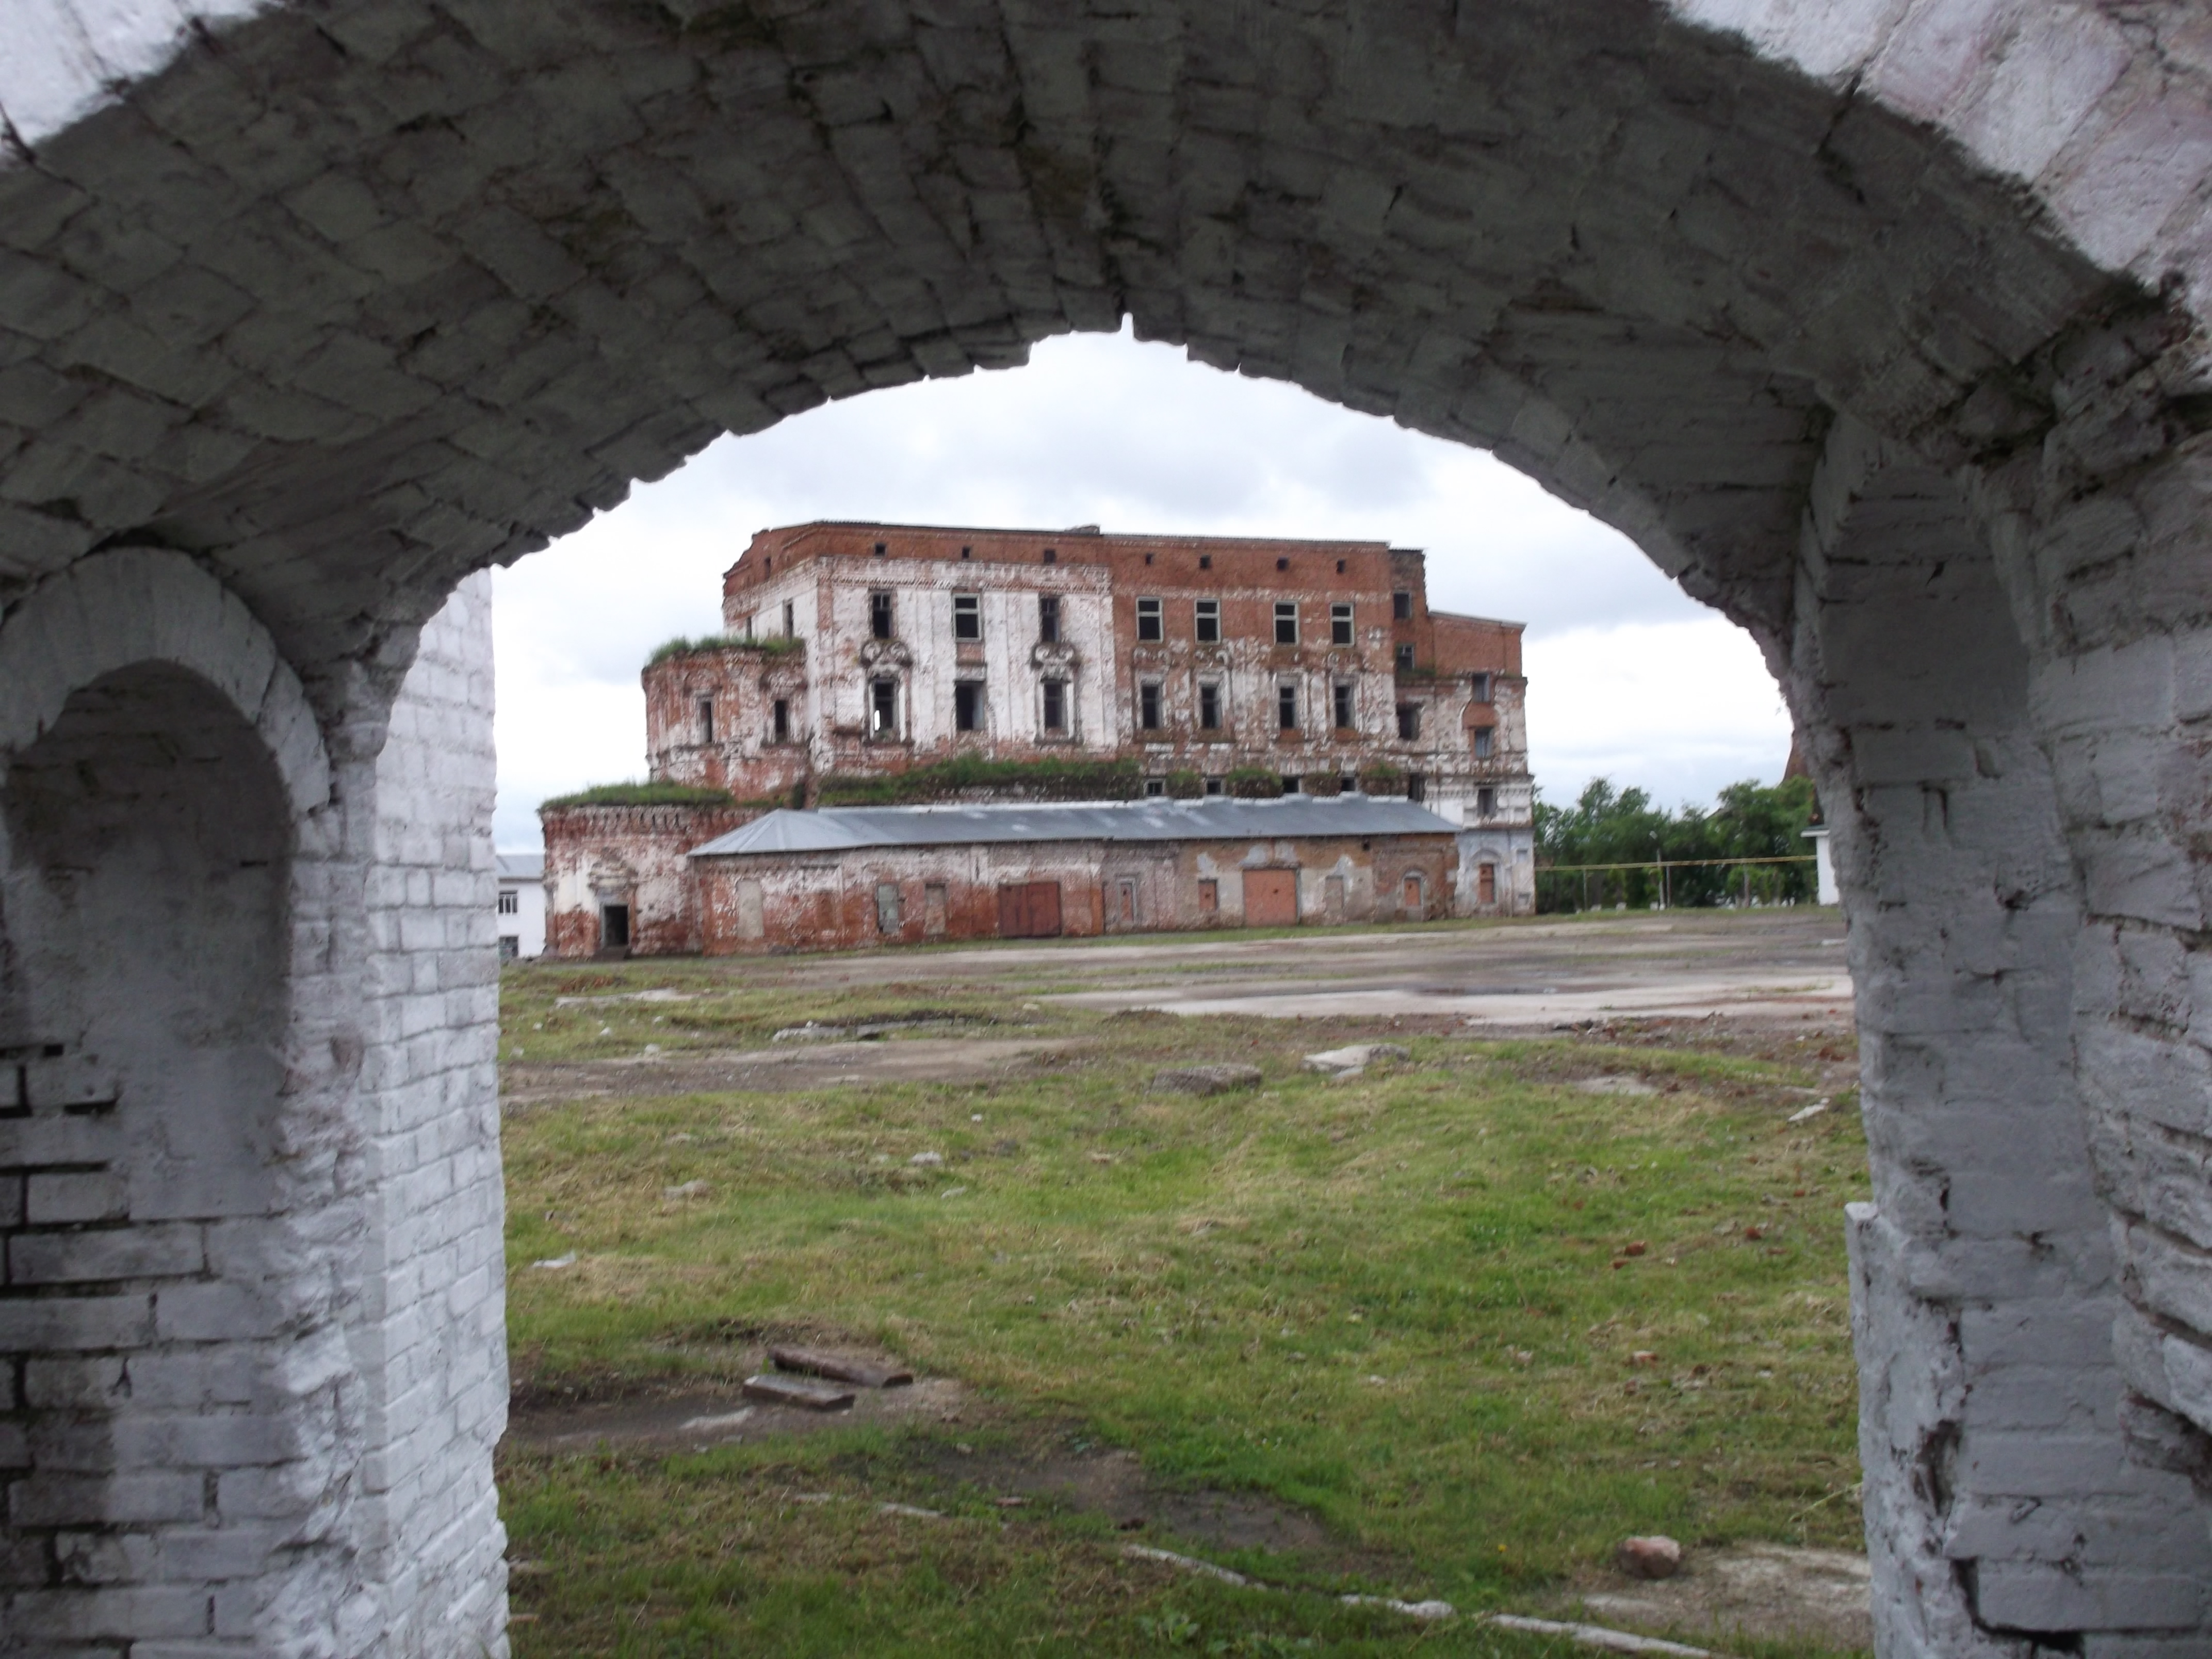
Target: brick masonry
(1878,324)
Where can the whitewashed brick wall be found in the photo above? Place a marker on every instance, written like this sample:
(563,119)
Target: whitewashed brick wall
(430,1333)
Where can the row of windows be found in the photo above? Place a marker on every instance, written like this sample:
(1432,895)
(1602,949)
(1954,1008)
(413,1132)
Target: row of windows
(969,706)
(1152,620)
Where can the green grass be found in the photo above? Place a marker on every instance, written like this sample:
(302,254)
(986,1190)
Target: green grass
(1390,1304)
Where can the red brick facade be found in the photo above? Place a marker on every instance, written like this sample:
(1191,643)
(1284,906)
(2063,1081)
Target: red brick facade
(631,859)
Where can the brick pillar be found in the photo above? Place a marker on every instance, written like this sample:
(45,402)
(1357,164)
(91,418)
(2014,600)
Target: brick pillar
(2003,1512)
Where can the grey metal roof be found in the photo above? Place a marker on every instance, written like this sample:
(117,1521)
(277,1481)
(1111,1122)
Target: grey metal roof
(836,829)
(520,866)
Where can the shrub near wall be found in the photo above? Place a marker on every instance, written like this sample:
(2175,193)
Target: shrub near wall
(1252,783)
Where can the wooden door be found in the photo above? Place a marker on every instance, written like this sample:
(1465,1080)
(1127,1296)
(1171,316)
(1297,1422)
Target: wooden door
(1271,898)
(1028,909)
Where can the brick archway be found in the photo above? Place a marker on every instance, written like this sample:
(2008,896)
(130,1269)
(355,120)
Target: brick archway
(1830,311)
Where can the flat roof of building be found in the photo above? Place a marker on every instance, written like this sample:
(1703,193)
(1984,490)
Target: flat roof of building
(841,829)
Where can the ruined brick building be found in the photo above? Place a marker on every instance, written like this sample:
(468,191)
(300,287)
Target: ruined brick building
(1204,665)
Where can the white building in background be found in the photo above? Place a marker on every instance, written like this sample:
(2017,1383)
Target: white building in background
(521,905)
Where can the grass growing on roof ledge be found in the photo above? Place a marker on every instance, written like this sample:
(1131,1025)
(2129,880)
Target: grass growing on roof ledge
(775,645)
(1038,780)
(645,794)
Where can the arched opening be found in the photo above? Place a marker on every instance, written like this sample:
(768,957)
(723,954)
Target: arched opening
(157,1407)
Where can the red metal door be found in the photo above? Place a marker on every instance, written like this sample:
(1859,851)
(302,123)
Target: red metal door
(1028,909)
(1271,898)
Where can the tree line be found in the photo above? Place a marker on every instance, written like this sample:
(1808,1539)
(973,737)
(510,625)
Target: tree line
(1607,826)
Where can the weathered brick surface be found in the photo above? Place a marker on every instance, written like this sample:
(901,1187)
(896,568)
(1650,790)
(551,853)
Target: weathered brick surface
(1876,323)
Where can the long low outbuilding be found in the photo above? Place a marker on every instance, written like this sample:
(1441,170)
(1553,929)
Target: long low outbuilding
(846,877)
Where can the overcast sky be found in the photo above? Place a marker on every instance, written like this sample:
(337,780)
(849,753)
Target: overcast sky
(1628,679)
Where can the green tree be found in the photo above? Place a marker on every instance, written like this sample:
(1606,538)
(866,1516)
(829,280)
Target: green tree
(1610,826)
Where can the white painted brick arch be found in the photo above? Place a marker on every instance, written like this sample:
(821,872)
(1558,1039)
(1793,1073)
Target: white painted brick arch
(1879,323)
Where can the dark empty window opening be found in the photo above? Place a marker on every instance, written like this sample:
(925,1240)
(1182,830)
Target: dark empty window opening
(883,708)
(1214,786)
(1485,738)
(1148,620)
(1282,564)
(1409,721)
(1049,618)
(1485,803)
(1340,624)
(1289,782)
(879,614)
(1340,567)
(1148,705)
(790,619)
(967,616)
(1417,787)
(1055,705)
(614,928)
(1479,688)
(706,719)
(1344,720)
(966,552)
(1148,558)
(1286,706)
(1206,562)
(1209,706)
(1347,785)
(779,721)
(1401,605)
(1052,555)
(1206,622)
(1405,659)
(881,549)
(968,706)
(1156,786)
(1286,621)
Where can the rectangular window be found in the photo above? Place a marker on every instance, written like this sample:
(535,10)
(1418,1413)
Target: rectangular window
(887,907)
(883,708)
(1148,705)
(1343,697)
(1286,621)
(1479,688)
(1049,618)
(1148,620)
(1340,624)
(790,619)
(1286,706)
(1405,659)
(1055,705)
(1409,721)
(879,614)
(967,616)
(1417,787)
(779,721)
(749,627)
(968,706)
(510,902)
(1213,786)
(1485,740)
(1289,782)
(706,719)
(1485,803)
(1205,621)
(1156,786)
(1209,705)
(1401,605)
